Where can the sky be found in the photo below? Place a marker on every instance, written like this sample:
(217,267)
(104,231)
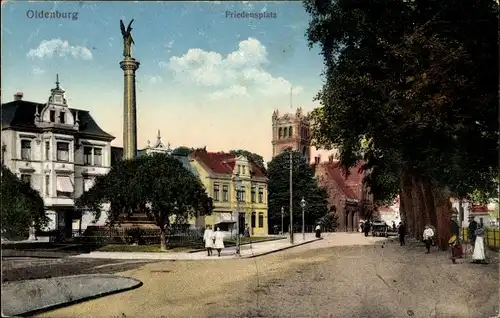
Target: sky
(206,78)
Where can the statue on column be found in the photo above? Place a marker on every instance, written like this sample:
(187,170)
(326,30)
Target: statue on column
(127,39)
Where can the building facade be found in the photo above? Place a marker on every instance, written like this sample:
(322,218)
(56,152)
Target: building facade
(291,131)
(348,196)
(218,172)
(58,150)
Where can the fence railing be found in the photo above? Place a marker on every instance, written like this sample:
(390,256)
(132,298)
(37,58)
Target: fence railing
(102,235)
(491,238)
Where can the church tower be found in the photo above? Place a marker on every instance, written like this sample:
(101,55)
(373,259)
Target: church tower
(291,131)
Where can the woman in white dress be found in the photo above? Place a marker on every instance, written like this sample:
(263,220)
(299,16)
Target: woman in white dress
(218,241)
(208,238)
(479,255)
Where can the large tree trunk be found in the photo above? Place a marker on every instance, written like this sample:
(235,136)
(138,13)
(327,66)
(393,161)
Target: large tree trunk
(406,198)
(443,212)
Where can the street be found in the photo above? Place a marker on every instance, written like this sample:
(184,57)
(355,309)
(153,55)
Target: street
(314,280)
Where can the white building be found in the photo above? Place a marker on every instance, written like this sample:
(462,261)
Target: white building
(58,150)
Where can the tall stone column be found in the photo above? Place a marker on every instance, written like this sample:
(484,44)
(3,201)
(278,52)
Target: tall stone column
(129,65)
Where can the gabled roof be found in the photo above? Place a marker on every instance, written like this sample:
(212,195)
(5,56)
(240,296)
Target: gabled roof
(20,115)
(221,163)
(348,184)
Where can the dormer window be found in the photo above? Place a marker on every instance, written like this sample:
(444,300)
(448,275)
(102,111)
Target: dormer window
(62,117)
(52,115)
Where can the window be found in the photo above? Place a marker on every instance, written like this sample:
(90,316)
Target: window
(52,116)
(290,131)
(216,192)
(47,185)
(285,132)
(239,169)
(243,170)
(97,157)
(242,195)
(47,150)
(87,156)
(253,195)
(62,151)
(253,220)
(25,149)
(261,219)
(225,193)
(62,117)
(280,133)
(261,195)
(26,178)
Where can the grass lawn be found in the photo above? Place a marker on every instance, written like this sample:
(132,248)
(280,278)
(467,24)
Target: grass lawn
(145,248)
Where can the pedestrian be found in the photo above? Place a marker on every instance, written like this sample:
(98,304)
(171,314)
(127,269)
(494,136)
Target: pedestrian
(479,255)
(218,241)
(247,231)
(366,227)
(393,226)
(208,239)
(402,233)
(318,231)
(427,236)
(471,233)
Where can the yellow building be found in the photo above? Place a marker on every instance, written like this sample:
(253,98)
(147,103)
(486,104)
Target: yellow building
(218,172)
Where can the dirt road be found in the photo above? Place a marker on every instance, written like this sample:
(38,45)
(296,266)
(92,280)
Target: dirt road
(341,281)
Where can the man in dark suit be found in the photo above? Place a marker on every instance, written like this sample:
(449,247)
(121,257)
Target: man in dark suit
(402,233)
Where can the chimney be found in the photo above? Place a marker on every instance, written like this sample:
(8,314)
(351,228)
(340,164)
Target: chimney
(18,96)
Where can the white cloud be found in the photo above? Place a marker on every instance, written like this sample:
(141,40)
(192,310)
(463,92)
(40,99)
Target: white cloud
(241,69)
(37,71)
(233,91)
(153,79)
(58,47)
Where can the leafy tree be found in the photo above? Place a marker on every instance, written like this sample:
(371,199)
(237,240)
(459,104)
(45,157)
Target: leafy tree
(157,185)
(253,157)
(329,222)
(413,78)
(304,186)
(21,208)
(182,151)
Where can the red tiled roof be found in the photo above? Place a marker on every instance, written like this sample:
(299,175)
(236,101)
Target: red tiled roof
(480,209)
(221,163)
(347,185)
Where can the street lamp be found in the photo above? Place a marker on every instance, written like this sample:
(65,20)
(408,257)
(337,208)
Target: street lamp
(303,204)
(282,217)
(237,182)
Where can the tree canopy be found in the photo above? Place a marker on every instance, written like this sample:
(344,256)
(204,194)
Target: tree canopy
(418,81)
(21,208)
(157,185)
(253,157)
(304,186)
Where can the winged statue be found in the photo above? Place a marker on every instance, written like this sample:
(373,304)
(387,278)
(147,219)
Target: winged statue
(127,38)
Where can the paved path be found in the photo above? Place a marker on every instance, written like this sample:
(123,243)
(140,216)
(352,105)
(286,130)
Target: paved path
(246,251)
(328,278)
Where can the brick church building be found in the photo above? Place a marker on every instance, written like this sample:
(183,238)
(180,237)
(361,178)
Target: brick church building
(347,196)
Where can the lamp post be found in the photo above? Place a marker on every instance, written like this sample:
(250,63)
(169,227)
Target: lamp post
(303,204)
(282,218)
(237,182)
(291,198)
